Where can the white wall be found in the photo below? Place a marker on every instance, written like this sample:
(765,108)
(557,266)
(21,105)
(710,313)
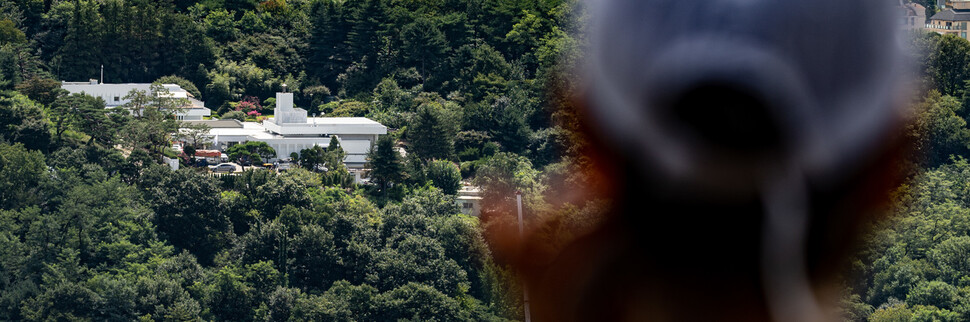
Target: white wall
(114,95)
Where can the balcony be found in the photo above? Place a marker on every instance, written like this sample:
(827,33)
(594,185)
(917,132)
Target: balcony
(943,27)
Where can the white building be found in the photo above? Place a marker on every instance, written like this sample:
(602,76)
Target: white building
(469,200)
(290,130)
(114,96)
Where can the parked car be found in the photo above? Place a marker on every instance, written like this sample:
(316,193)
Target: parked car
(282,166)
(225,167)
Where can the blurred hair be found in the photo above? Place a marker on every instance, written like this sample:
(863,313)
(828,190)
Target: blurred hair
(742,143)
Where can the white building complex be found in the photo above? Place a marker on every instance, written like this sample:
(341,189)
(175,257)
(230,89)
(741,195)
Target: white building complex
(114,96)
(290,130)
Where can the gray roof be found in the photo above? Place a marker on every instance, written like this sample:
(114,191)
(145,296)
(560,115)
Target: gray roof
(219,124)
(912,10)
(952,15)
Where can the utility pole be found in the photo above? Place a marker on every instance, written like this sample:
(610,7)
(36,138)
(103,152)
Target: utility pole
(102,74)
(525,288)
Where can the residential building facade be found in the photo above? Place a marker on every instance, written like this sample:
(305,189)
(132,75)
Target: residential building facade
(114,96)
(953,18)
(913,16)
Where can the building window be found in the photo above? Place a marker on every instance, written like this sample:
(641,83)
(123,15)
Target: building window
(117,98)
(963,35)
(467,205)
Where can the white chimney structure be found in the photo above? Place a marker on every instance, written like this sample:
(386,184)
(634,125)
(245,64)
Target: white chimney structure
(285,113)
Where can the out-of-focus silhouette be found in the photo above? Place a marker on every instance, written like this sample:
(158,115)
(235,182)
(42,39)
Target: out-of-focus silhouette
(743,142)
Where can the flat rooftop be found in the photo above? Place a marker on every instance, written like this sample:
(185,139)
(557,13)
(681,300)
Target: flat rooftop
(334,121)
(327,125)
(250,129)
(219,124)
(345,120)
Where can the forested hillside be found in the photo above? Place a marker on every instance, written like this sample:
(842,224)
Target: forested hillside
(379,58)
(915,266)
(92,227)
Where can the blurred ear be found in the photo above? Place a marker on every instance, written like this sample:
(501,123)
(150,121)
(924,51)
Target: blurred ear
(546,233)
(845,210)
(556,256)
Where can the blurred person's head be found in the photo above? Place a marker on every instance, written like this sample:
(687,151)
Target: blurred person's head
(744,142)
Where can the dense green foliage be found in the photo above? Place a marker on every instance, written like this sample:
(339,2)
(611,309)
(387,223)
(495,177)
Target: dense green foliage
(461,79)
(81,243)
(480,64)
(913,267)
(93,228)
(916,263)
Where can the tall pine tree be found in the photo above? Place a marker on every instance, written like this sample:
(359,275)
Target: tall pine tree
(432,135)
(328,55)
(80,57)
(385,163)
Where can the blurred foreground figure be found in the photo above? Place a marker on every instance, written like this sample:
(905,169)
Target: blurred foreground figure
(744,142)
